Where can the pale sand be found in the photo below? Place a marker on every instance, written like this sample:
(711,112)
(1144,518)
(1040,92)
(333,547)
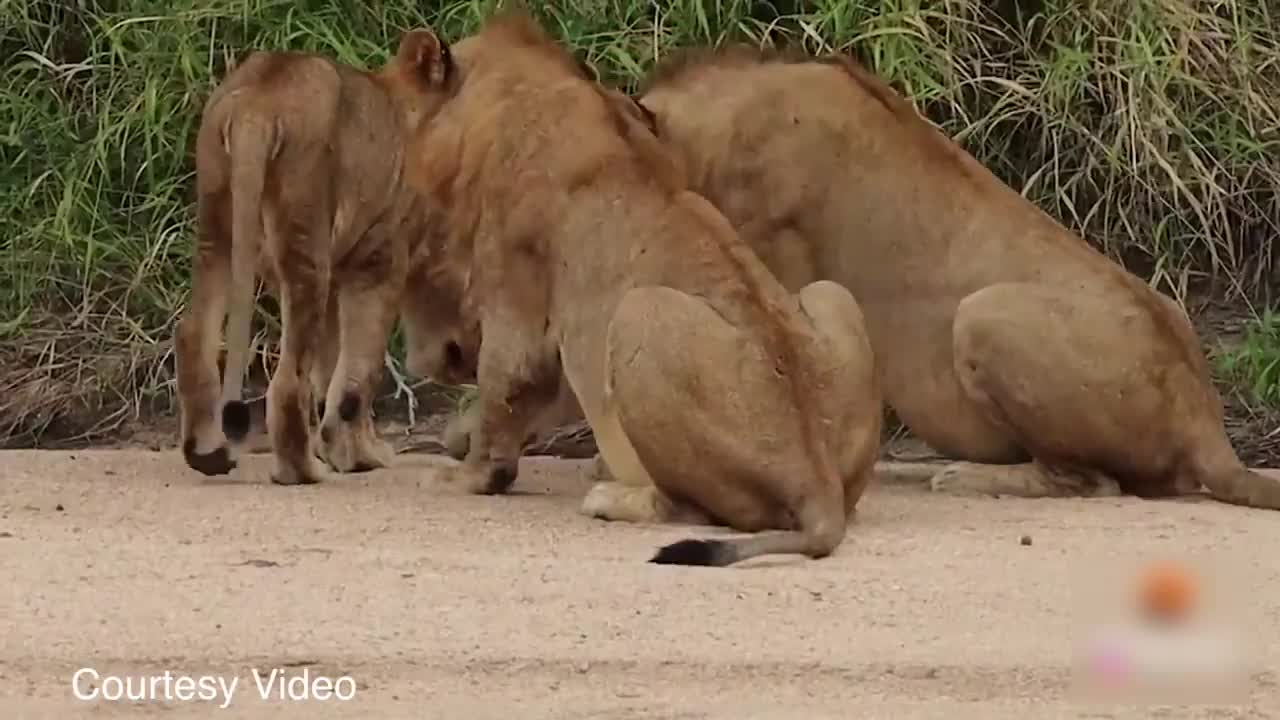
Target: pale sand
(448,606)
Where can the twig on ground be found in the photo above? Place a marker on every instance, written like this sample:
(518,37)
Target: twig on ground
(401,387)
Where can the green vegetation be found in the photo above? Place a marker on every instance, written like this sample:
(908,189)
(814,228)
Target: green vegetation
(1254,364)
(1151,126)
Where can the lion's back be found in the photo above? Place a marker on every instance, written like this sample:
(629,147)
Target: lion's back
(326,114)
(333,128)
(315,101)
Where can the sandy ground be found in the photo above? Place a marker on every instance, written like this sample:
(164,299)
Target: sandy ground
(440,605)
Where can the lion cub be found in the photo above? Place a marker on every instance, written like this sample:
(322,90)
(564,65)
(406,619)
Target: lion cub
(300,163)
(714,394)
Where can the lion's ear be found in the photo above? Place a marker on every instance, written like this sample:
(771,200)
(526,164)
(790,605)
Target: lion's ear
(632,106)
(425,55)
(650,120)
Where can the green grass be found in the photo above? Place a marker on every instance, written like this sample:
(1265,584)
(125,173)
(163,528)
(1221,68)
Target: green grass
(1150,126)
(1253,364)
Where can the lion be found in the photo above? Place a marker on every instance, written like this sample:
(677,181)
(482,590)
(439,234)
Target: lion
(715,395)
(300,179)
(1037,364)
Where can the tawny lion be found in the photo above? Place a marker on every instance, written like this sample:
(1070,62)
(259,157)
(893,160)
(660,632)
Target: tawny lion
(1006,341)
(300,164)
(714,393)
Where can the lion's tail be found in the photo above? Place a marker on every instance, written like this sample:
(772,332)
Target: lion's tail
(1242,486)
(719,553)
(822,521)
(252,142)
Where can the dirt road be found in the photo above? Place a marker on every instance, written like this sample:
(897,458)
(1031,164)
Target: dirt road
(439,605)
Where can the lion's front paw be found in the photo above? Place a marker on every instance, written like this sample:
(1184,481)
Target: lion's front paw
(960,479)
(599,471)
(347,450)
(616,502)
(373,453)
(599,500)
(482,478)
(336,447)
(310,472)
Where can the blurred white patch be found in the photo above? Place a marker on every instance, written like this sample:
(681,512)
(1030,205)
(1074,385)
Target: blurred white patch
(1123,653)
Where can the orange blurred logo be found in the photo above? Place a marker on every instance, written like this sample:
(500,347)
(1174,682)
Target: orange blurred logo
(1164,645)
(1168,592)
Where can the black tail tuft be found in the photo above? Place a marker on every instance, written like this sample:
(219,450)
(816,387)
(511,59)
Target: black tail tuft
(235,420)
(713,553)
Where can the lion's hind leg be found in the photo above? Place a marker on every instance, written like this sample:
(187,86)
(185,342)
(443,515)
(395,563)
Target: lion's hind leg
(627,494)
(199,333)
(854,402)
(714,427)
(299,245)
(1074,378)
(366,313)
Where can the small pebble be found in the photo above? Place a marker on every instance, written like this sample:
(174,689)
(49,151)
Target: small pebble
(1026,540)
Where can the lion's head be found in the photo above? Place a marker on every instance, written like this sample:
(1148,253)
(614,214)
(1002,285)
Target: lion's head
(441,343)
(420,76)
(454,100)
(441,332)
